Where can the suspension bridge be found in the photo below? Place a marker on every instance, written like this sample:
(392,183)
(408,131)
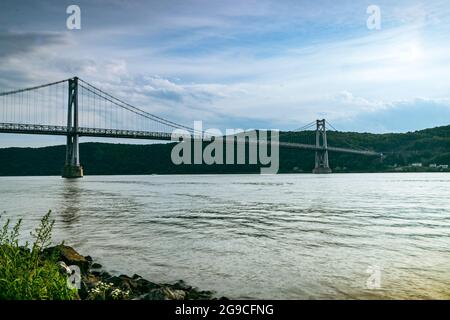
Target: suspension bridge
(75,108)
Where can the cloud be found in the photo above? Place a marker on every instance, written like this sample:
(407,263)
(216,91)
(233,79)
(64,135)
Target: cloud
(400,116)
(20,42)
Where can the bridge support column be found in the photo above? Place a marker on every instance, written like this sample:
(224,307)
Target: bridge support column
(321,163)
(72,167)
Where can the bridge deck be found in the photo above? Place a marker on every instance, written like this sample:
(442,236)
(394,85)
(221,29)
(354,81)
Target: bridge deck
(146,135)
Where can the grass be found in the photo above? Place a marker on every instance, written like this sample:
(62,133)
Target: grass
(24,272)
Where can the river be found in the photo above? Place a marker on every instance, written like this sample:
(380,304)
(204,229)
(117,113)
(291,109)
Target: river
(338,236)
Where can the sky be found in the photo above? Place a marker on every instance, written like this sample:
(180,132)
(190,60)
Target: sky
(241,64)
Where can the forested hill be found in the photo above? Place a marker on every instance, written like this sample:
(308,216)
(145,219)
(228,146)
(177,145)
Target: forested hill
(430,146)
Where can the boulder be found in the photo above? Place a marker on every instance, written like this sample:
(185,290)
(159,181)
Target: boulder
(155,294)
(195,294)
(176,294)
(124,282)
(103,275)
(69,256)
(88,282)
(164,293)
(144,285)
(181,285)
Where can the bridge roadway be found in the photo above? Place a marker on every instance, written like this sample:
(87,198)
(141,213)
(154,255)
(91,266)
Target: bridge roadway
(146,135)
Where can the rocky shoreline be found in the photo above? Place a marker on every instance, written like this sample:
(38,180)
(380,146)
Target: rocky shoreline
(98,284)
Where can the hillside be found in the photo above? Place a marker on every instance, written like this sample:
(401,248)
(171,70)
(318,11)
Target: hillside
(427,146)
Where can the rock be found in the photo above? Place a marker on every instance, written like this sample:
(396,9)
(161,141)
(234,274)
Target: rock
(129,284)
(125,283)
(96,265)
(194,294)
(88,282)
(164,293)
(97,273)
(155,294)
(69,256)
(144,285)
(88,258)
(116,281)
(103,274)
(181,285)
(176,294)
(83,292)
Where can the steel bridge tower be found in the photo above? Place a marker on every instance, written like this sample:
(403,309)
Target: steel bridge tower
(321,163)
(72,167)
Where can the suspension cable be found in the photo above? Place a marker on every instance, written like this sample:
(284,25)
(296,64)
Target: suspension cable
(32,88)
(129,107)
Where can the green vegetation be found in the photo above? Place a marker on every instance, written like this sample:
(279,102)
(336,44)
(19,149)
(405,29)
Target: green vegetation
(25,274)
(430,146)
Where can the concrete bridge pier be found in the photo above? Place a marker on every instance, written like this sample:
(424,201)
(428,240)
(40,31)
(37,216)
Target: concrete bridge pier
(72,167)
(321,163)
(72,172)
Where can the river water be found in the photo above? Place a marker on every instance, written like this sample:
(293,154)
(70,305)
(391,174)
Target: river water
(339,236)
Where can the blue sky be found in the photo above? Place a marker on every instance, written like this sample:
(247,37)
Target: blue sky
(241,64)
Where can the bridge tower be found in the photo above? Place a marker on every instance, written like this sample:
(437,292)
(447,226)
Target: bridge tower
(321,163)
(72,167)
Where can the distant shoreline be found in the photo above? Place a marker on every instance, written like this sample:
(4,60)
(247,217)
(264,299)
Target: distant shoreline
(420,151)
(230,174)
